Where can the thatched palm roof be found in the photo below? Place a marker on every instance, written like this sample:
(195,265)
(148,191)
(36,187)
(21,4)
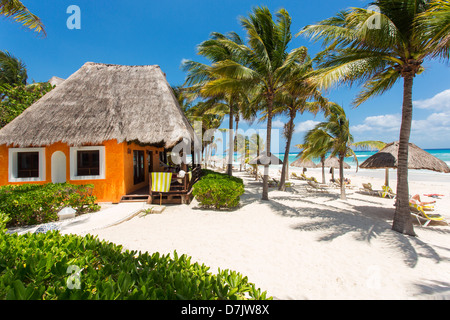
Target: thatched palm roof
(102,102)
(417,159)
(333,162)
(263,159)
(303,163)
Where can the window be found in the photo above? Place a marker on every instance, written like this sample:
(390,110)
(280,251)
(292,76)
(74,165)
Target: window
(138,166)
(26,164)
(87,163)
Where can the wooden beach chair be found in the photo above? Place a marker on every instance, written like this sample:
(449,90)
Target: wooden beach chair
(160,184)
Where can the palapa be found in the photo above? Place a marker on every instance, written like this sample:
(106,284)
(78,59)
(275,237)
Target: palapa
(101,102)
(418,159)
(304,163)
(264,159)
(333,162)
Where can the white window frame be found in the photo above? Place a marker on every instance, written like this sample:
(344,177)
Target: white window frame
(13,165)
(74,162)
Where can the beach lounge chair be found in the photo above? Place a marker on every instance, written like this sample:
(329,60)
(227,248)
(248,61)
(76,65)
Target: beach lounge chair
(387,192)
(315,187)
(160,184)
(420,213)
(367,188)
(295,176)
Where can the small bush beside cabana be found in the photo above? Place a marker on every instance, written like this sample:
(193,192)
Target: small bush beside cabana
(217,190)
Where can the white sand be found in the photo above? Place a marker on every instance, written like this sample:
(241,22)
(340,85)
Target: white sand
(302,245)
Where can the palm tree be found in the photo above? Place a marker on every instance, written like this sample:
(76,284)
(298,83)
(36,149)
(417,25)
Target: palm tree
(16,10)
(264,67)
(12,70)
(228,100)
(405,33)
(293,100)
(334,135)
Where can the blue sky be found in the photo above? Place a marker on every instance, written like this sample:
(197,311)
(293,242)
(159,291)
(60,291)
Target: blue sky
(166,32)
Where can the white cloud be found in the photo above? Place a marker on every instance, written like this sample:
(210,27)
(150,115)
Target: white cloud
(305,126)
(278,124)
(440,101)
(387,122)
(433,131)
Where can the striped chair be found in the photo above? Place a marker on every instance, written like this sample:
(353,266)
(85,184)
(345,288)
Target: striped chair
(160,183)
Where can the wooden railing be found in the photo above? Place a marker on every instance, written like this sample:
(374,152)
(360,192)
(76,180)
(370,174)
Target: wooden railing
(180,188)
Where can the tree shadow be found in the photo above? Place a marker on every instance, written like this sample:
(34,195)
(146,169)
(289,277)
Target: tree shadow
(361,221)
(434,289)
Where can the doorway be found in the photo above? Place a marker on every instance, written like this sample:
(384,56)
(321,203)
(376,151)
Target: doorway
(58,167)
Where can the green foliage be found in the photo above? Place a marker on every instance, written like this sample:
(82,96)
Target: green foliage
(37,266)
(218,190)
(15,99)
(29,204)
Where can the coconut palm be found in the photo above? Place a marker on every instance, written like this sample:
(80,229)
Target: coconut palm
(293,100)
(265,64)
(17,11)
(227,100)
(334,135)
(12,70)
(378,49)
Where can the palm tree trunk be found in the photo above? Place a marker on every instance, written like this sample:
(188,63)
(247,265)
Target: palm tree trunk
(236,120)
(265,193)
(322,160)
(282,186)
(341,177)
(402,218)
(230,144)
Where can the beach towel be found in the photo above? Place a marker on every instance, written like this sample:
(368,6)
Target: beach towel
(161,181)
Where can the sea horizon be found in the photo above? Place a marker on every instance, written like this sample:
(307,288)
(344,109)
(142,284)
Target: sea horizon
(440,153)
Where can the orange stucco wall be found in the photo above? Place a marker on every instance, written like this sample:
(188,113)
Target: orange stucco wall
(118,169)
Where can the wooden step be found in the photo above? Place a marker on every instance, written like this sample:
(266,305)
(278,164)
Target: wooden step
(134,198)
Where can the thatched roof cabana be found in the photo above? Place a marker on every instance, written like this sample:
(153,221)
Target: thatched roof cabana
(101,102)
(417,159)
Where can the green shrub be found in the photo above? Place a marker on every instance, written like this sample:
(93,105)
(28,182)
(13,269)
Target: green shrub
(29,204)
(38,266)
(216,190)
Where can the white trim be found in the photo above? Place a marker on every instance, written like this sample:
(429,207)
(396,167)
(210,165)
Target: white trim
(73,163)
(12,164)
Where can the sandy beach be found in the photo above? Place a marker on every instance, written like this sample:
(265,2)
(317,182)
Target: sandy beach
(304,245)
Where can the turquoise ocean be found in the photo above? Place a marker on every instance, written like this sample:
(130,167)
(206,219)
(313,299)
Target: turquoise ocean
(443,154)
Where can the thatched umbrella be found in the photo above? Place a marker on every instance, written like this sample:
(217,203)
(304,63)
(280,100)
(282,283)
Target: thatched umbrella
(333,163)
(417,159)
(264,159)
(303,163)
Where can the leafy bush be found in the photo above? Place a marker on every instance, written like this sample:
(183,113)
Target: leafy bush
(38,266)
(32,203)
(217,190)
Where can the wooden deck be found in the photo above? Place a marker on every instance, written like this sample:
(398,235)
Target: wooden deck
(180,191)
